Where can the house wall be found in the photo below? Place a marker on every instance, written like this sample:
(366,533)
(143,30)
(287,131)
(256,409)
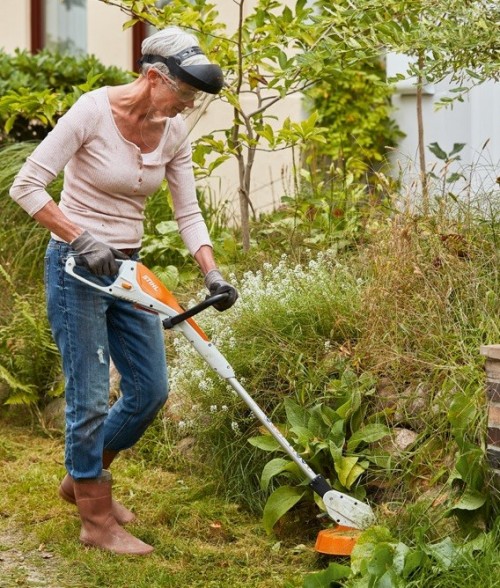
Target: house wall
(475,122)
(106,38)
(15,25)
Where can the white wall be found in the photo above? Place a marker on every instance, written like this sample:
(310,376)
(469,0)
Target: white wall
(15,25)
(475,122)
(106,38)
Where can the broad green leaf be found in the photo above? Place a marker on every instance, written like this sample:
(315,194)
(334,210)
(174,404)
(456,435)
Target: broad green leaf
(401,551)
(295,414)
(470,500)
(333,573)
(413,561)
(368,434)
(388,580)
(264,442)
(273,468)
(316,423)
(303,436)
(462,411)
(337,433)
(354,474)
(279,503)
(344,466)
(444,553)
(365,546)
(380,560)
(457,147)
(167,228)
(168,275)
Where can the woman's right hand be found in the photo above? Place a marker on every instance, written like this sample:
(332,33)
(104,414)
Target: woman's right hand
(97,257)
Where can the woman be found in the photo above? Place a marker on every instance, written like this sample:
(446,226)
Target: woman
(116,145)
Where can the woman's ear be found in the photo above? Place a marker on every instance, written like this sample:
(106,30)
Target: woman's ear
(153,76)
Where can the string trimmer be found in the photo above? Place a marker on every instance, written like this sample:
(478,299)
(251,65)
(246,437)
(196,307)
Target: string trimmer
(137,284)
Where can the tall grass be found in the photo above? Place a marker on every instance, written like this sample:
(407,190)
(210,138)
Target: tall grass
(29,362)
(23,242)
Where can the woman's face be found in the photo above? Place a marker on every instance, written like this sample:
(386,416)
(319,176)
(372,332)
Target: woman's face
(171,97)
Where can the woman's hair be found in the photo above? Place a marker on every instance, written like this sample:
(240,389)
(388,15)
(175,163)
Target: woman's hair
(167,42)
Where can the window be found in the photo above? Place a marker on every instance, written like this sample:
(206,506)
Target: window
(59,25)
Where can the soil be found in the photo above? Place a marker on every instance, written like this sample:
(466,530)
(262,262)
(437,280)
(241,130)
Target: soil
(23,565)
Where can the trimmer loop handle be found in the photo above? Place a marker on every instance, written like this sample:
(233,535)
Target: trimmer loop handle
(170,322)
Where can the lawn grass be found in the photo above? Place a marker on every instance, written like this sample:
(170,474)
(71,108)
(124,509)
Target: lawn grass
(200,540)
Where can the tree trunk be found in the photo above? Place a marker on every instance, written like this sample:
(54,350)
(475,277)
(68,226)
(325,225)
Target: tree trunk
(244,204)
(421,141)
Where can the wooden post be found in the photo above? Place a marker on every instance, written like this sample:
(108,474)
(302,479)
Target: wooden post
(492,367)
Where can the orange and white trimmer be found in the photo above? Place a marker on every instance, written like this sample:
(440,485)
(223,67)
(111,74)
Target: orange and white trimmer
(136,283)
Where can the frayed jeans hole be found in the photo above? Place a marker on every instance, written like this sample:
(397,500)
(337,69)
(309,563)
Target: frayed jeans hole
(100,355)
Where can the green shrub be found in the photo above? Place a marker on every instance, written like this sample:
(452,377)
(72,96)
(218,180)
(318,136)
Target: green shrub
(36,89)
(355,109)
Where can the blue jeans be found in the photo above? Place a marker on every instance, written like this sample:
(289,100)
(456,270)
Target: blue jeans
(90,327)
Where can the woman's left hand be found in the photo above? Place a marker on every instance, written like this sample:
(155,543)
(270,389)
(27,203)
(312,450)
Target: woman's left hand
(217,285)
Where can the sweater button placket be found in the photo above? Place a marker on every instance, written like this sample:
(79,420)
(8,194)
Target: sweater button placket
(140,164)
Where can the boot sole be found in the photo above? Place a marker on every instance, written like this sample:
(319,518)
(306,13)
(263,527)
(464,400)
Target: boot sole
(133,553)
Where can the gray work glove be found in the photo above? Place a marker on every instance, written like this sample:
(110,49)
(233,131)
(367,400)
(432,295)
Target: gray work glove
(217,285)
(96,256)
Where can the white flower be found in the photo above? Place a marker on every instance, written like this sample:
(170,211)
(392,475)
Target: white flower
(235,427)
(213,408)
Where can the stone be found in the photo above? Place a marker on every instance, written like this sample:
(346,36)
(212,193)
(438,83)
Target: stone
(53,415)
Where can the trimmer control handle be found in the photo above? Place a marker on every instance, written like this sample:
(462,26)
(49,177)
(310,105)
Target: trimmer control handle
(170,322)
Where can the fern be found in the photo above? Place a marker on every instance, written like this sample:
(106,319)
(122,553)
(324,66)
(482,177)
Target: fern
(29,362)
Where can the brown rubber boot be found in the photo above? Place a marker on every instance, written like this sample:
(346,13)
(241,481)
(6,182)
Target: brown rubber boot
(122,514)
(99,527)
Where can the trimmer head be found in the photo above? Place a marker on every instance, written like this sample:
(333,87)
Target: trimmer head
(337,540)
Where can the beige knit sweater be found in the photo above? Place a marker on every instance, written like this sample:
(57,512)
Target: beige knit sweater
(107,178)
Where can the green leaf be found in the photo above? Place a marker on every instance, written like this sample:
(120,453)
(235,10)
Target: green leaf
(273,468)
(365,546)
(167,228)
(337,433)
(169,275)
(381,560)
(444,553)
(368,434)
(470,500)
(348,470)
(295,414)
(333,573)
(462,412)
(438,152)
(457,147)
(279,503)
(264,442)
(413,561)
